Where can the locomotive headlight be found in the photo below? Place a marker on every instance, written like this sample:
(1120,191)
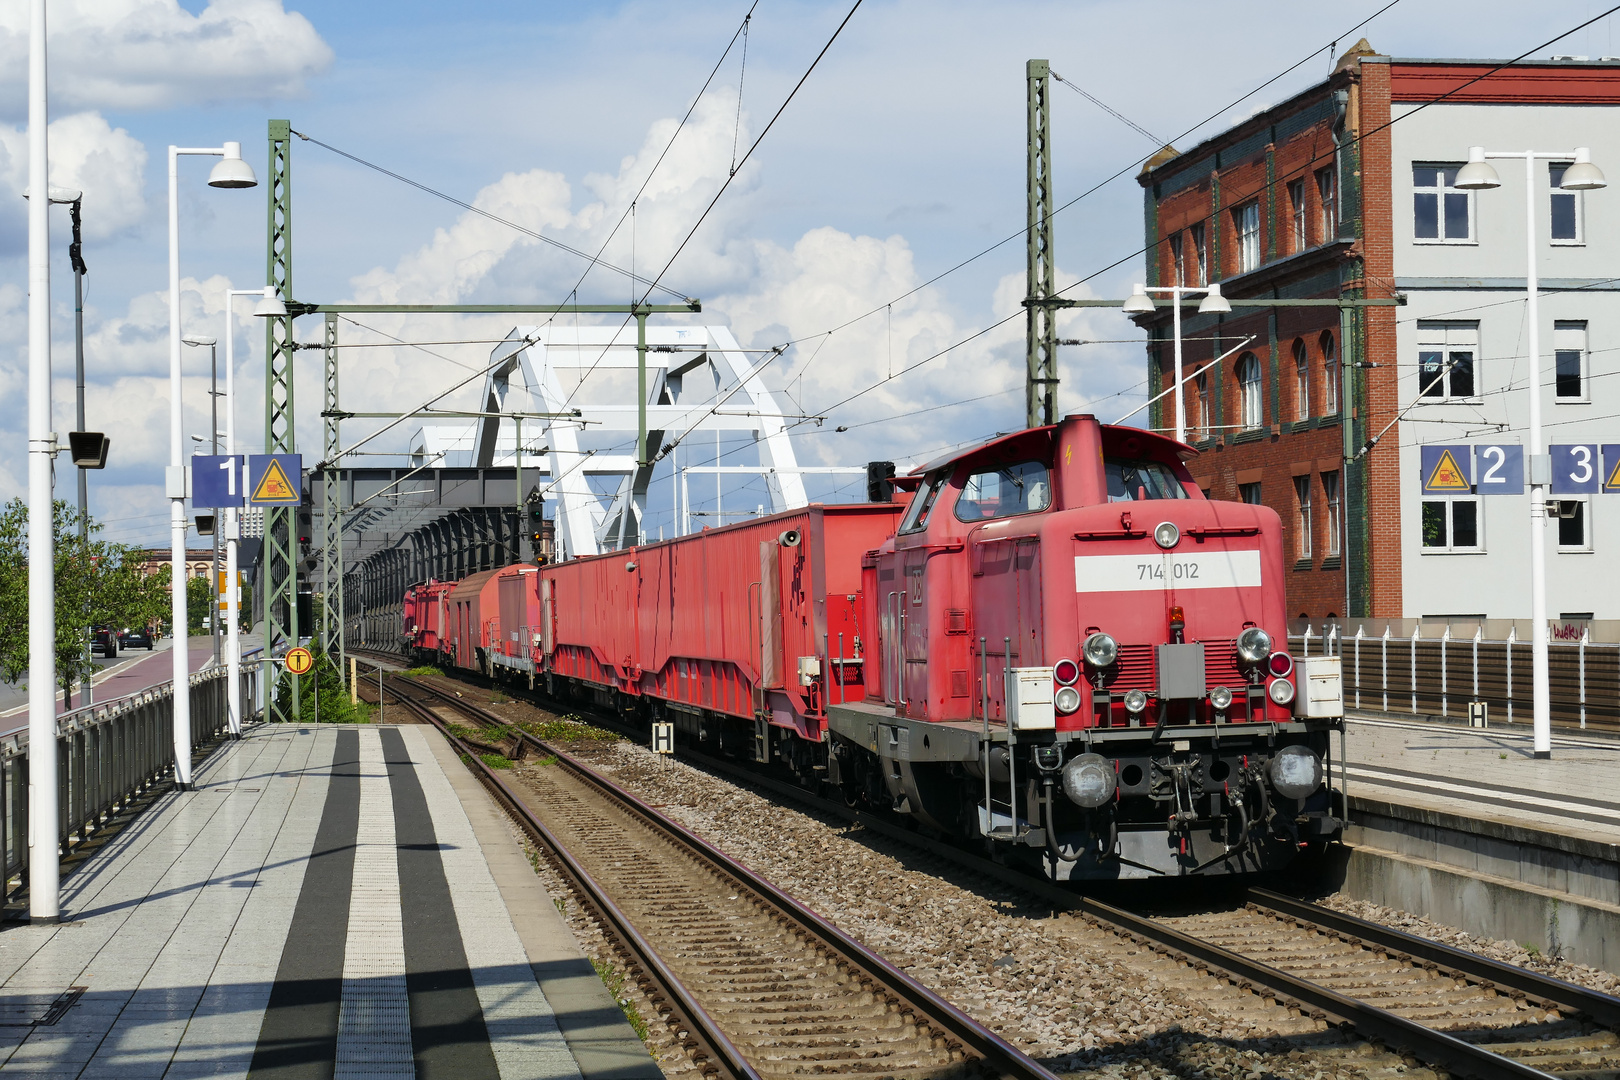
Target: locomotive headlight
(1280,664)
(1088,781)
(1166,535)
(1253,645)
(1101,650)
(1221,698)
(1066,700)
(1135,701)
(1066,672)
(1295,772)
(1281,691)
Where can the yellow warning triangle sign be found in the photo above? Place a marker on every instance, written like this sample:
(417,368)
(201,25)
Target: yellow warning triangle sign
(1445,477)
(274,485)
(1613,482)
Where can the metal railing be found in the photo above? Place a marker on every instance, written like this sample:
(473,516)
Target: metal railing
(109,755)
(1430,671)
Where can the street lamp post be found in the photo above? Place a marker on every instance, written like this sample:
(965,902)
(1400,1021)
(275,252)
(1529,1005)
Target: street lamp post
(231,172)
(213,401)
(1141,302)
(1582,175)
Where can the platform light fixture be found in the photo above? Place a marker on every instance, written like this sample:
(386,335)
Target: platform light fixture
(1479,175)
(1141,302)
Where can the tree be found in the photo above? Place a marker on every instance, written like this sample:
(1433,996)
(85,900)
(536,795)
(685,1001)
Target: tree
(97,583)
(199,603)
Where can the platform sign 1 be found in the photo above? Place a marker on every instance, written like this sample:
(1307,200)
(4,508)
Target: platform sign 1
(663,737)
(1611,469)
(1446,469)
(1576,469)
(1499,469)
(275,479)
(216,481)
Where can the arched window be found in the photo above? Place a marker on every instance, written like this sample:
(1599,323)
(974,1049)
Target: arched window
(1330,372)
(1302,381)
(1248,379)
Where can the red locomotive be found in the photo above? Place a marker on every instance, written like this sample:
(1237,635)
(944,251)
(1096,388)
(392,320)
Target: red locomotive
(1051,643)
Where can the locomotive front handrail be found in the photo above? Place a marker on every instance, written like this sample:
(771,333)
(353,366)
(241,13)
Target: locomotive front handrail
(1205,532)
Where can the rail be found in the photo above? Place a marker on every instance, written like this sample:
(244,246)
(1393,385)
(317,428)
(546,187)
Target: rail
(108,756)
(1431,671)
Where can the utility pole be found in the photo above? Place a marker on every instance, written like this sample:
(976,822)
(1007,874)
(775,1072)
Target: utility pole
(76,257)
(279,565)
(1040,337)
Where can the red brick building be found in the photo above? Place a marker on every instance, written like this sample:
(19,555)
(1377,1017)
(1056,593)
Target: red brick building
(1288,205)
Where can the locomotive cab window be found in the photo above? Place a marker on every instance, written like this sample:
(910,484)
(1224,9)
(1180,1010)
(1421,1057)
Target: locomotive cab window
(922,504)
(1129,480)
(1004,491)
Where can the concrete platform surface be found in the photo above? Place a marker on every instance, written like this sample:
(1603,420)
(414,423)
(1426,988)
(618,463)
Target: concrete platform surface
(1490,774)
(329,902)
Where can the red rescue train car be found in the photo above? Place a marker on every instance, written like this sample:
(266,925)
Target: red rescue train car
(1050,644)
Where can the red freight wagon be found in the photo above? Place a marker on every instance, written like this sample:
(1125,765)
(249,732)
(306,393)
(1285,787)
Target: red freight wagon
(512,645)
(424,620)
(471,607)
(731,633)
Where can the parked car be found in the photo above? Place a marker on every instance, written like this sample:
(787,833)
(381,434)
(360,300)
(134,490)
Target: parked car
(131,636)
(104,641)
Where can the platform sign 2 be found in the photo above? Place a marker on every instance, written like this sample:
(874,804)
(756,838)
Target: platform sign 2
(1611,469)
(1446,469)
(663,737)
(1499,469)
(216,481)
(1576,469)
(275,479)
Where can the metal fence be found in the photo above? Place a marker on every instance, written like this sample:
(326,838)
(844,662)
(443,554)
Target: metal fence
(107,757)
(1429,671)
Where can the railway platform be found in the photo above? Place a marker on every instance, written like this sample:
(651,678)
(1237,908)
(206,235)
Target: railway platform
(330,901)
(1466,826)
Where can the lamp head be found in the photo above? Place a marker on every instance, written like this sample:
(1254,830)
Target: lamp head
(1583,175)
(1139,303)
(1214,303)
(271,306)
(232,171)
(198,339)
(66,196)
(1478,174)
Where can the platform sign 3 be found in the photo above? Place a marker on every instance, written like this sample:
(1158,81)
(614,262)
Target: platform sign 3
(216,481)
(1611,468)
(275,479)
(663,737)
(1576,469)
(1500,469)
(1446,469)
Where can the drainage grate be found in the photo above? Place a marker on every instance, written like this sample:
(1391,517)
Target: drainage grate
(37,1010)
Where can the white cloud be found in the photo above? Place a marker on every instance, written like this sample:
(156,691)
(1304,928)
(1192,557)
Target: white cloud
(153,54)
(107,164)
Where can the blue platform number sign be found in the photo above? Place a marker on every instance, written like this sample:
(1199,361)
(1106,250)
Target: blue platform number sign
(1576,469)
(1611,469)
(216,481)
(275,479)
(1499,470)
(1446,469)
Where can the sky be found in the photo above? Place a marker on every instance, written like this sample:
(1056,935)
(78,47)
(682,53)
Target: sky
(900,156)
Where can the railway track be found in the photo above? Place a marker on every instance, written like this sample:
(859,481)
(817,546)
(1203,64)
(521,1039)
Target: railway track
(1465,1013)
(752,983)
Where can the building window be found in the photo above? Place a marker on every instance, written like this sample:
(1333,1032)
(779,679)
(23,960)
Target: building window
(1569,361)
(1200,255)
(1330,376)
(1246,223)
(1296,203)
(1248,379)
(1249,493)
(1302,381)
(1447,361)
(1573,534)
(1440,213)
(1177,265)
(1327,196)
(1330,488)
(1566,209)
(1452,525)
(1302,497)
(1201,381)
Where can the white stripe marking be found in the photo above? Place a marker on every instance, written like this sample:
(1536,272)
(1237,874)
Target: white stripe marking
(1470,794)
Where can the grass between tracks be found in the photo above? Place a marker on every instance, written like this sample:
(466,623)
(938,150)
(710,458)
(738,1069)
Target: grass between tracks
(421,672)
(614,980)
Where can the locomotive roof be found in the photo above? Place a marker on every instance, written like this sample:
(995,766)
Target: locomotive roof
(1147,442)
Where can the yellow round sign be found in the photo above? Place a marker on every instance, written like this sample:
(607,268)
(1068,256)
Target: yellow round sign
(299,660)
